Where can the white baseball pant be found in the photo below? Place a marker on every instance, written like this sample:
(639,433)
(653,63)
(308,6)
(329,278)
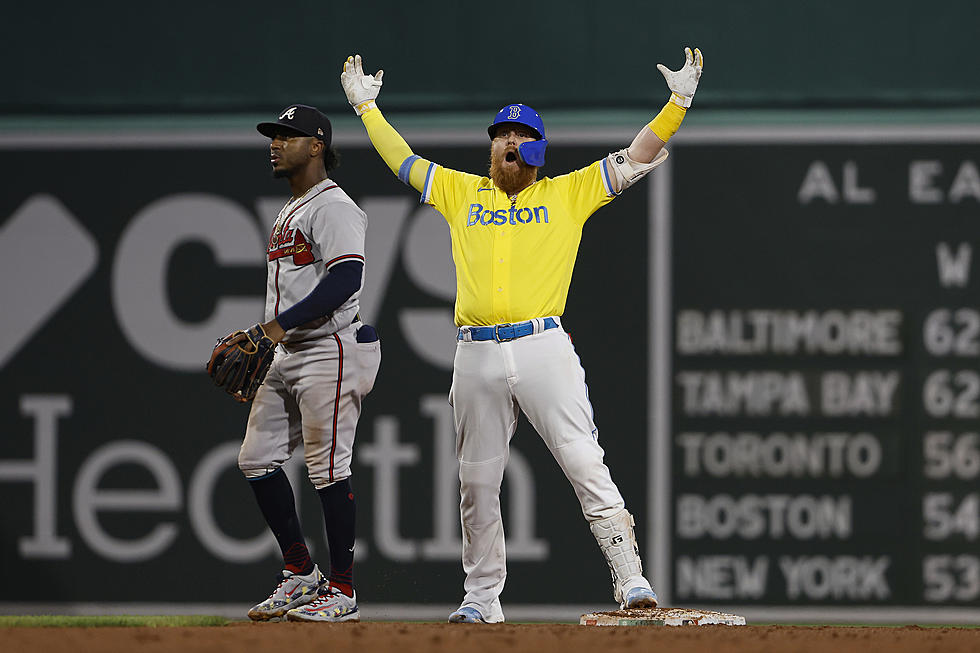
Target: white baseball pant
(312,394)
(492,381)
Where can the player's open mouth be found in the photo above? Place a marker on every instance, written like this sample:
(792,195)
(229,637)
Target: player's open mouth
(510,157)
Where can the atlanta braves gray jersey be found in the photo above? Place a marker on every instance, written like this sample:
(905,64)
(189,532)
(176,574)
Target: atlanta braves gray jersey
(313,233)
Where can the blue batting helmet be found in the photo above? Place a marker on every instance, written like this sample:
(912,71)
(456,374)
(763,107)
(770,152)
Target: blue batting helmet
(531,153)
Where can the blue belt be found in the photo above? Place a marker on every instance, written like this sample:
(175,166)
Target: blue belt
(505,332)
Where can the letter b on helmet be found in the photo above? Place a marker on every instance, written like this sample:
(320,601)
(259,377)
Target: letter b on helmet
(531,153)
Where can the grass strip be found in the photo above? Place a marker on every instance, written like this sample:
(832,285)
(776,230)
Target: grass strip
(79,621)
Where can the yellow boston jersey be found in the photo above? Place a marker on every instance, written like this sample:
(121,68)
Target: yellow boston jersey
(514,255)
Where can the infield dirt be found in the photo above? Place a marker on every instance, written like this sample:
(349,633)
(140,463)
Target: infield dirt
(509,638)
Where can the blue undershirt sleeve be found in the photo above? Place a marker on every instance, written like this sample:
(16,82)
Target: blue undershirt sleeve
(342,281)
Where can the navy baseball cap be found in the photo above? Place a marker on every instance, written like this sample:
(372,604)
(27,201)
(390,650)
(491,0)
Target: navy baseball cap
(299,119)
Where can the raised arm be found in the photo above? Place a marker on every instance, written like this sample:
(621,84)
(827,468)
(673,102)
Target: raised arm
(646,151)
(362,92)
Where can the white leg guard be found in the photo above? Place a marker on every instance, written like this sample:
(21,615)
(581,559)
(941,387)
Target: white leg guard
(618,543)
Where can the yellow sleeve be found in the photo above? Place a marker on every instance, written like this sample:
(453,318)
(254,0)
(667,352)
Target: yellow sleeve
(586,190)
(409,167)
(668,121)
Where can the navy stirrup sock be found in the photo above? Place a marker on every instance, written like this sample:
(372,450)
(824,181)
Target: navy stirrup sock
(275,497)
(338,517)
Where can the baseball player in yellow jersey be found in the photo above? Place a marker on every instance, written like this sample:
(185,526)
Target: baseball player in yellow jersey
(514,243)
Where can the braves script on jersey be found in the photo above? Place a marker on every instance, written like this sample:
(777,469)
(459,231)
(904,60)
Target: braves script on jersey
(314,232)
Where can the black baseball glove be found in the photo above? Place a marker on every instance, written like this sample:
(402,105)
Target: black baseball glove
(240,361)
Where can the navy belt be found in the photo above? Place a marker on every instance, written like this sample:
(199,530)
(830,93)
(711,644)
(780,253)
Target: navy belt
(506,332)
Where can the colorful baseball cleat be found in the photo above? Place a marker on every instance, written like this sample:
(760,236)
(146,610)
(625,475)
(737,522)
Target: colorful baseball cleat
(467,615)
(331,605)
(640,597)
(292,591)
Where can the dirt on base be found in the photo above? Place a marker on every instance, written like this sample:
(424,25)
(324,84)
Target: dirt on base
(282,637)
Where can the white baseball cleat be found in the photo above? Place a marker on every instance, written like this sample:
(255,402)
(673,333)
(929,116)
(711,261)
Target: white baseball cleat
(292,591)
(640,597)
(466,615)
(331,605)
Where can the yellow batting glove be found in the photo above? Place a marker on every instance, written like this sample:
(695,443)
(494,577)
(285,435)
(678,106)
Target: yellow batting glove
(684,82)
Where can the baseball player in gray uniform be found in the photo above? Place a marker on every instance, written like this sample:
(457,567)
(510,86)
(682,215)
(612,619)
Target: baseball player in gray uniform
(325,362)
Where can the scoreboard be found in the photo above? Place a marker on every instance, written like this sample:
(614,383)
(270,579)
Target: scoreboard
(824,372)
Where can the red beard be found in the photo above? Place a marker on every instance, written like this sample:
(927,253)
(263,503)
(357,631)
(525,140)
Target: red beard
(511,179)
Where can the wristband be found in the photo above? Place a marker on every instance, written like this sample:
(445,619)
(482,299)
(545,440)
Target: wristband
(668,121)
(365,106)
(681,100)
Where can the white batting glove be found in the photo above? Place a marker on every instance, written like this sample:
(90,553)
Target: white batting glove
(362,90)
(684,82)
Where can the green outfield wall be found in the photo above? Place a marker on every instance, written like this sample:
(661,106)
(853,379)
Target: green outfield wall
(121,57)
(779,328)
